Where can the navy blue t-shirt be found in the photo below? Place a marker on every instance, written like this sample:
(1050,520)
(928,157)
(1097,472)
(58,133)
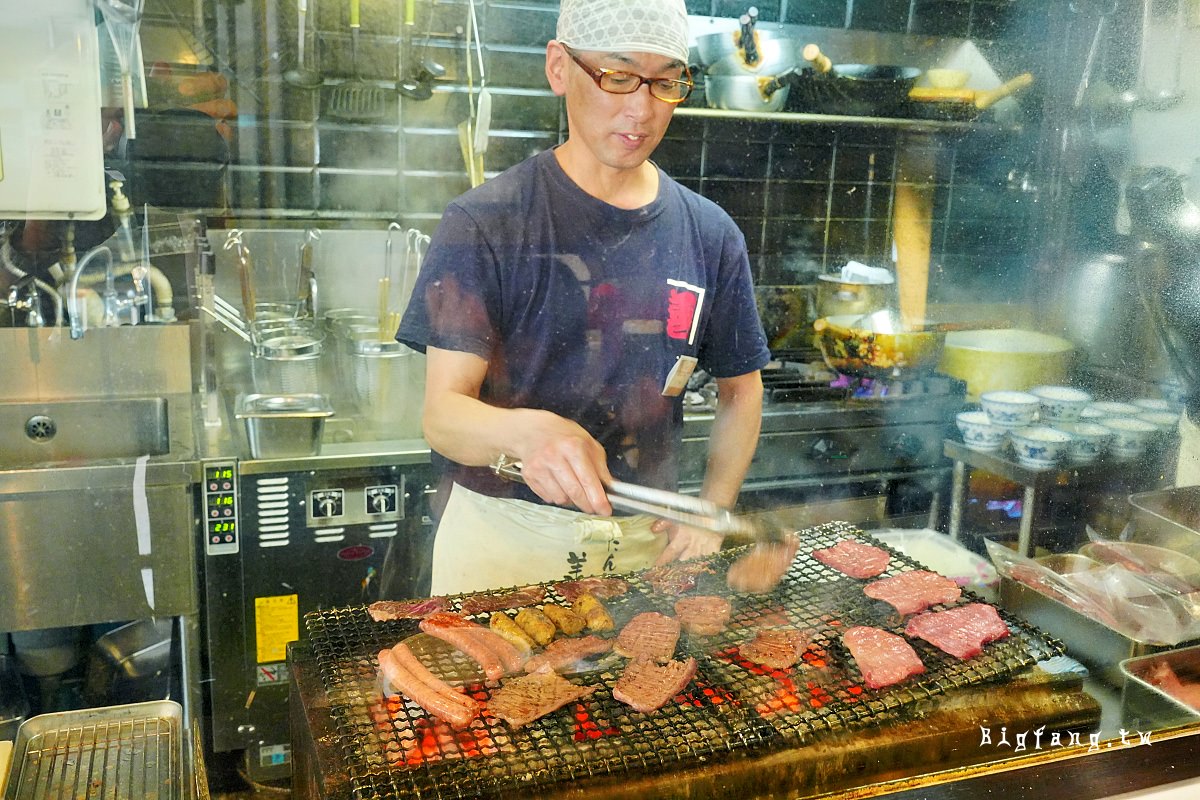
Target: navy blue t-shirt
(582,308)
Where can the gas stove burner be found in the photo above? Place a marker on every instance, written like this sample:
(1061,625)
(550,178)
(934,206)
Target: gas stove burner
(869,388)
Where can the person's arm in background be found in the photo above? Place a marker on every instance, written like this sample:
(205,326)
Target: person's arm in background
(562,463)
(731,446)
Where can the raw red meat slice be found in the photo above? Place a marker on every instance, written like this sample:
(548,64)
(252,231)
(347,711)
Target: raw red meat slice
(383,610)
(493,652)
(853,558)
(775,647)
(676,577)
(913,591)
(646,686)
(703,615)
(763,567)
(650,635)
(439,700)
(522,700)
(962,631)
(600,587)
(487,603)
(562,653)
(883,658)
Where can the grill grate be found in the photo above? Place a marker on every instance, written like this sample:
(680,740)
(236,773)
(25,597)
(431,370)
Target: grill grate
(732,706)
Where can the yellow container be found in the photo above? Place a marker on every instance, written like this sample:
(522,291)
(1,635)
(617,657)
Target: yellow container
(1009,358)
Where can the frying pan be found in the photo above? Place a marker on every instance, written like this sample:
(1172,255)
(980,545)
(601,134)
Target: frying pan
(965,105)
(855,89)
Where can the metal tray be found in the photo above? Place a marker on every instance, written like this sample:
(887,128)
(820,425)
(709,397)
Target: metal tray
(1143,703)
(1168,518)
(128,751)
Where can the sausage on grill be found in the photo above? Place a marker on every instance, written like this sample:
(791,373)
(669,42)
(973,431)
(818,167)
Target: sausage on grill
(434,702)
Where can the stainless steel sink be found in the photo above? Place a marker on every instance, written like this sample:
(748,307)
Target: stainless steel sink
(82,431)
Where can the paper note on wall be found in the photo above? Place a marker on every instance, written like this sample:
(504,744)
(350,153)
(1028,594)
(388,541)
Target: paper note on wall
(276,622)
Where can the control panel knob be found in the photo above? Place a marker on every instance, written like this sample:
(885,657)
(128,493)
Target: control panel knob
(827,450)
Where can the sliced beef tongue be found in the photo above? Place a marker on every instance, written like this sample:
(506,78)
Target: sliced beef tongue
(383,610)
(962,632)
(647,686)
(779,648)
(648,635)
(676,577)
(883,658)
(703,615)
(762,568)
(522,700)
(599,586)
(854,558)
(913,591)
(563,653)
(487,603)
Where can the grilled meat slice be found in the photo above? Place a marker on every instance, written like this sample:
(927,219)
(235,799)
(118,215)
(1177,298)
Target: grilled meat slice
(440,701)
(537,625)
(962,631)
(648,635)
(562,653)
(599,586)
(779,648)
(522,700)
(646,686)
(763,567)
(383,610)
(883,658)
(913,591)
(703,615)
(854,558)
(594,614)
(487,603)
(493,652)
(564,619)
(676,577)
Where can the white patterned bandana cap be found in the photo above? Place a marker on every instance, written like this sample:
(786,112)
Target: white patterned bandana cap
(625,26)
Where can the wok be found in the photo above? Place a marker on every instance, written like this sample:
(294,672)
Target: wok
(854,89)
(963,105)
(864,353)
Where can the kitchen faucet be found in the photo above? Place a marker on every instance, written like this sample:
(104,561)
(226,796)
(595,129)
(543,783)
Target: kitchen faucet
(113,304)
(23,296)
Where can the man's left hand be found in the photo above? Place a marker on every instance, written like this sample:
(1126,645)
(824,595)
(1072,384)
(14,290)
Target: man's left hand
(684,542)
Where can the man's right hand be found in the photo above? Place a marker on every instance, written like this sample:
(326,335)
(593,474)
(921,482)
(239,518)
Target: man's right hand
(562,463)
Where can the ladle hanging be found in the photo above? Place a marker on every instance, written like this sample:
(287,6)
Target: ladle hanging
(301,75)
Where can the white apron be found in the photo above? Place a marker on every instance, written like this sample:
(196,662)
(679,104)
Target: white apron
(488,542)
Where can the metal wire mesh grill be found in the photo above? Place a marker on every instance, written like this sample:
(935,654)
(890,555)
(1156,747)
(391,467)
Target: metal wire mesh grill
(393,748)
(134,758)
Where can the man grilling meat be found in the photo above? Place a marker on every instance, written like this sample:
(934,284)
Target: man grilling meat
(562,306)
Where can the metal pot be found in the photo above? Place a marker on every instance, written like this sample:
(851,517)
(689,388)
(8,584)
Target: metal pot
(1008,358)
(864,353)
(743,93)
(836,296)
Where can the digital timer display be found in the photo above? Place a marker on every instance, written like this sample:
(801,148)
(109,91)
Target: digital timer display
(222,527)
(218,473)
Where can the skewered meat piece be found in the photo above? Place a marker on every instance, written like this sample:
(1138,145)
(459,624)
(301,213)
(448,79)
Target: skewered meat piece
(494,653)
(383,610)
(853,558)
(648,635)
(779,648)
(487,603)
(646,686)
(594,614)
(601,587)
(962,631)
(564,619)
(537,625)
(703,615)
(562,653)
(883,658)
(414,681)
(913,591)
(522,700)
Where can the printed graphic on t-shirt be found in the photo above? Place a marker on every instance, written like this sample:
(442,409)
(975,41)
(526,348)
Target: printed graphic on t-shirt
(684,302)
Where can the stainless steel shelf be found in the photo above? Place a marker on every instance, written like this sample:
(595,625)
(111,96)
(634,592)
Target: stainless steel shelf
(921,125)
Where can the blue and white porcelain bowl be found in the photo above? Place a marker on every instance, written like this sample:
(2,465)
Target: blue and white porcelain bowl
(1089,440)
(1153,404)
(1010,409)
(1060,403)
(1039,446)
(1130,436)
(979,432)
(1109,409)
(1164,421)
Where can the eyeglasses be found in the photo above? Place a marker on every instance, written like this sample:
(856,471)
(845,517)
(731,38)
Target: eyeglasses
(669,90)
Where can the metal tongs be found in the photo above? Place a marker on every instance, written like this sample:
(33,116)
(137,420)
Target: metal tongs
(672,506)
